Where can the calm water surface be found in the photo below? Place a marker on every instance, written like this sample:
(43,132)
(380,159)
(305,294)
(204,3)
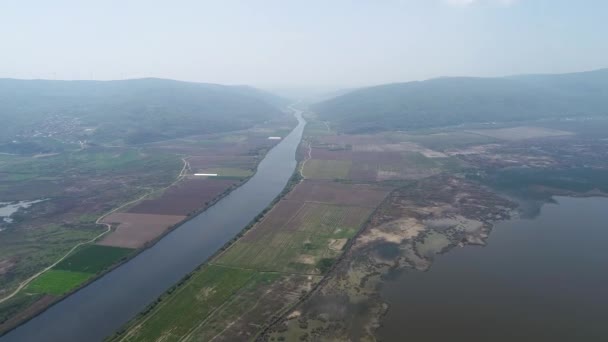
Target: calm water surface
(101,308)
(544,279)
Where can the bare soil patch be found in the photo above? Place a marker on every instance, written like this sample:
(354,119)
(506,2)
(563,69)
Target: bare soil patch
(134,230)
(185,197)
(205,162)
(360,195)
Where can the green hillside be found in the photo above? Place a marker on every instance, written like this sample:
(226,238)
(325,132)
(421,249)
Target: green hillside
(459,100)
(127,111)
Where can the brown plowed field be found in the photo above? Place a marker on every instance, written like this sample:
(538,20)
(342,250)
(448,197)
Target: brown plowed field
(206,162)
(360,195)
(134,230)
(185,197)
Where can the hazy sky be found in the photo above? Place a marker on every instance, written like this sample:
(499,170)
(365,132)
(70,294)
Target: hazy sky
(303,43)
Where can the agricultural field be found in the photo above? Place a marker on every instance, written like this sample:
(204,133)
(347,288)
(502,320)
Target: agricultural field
(367,205)
(135,230)
(374,158)
(77,268)
(92,259)
(152,185)
(228,173)
(57,282)
(326,169)
(266,271)
(301,244)
(214,295)
(185,197)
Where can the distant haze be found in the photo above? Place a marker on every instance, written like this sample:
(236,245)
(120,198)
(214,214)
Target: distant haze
(277,43)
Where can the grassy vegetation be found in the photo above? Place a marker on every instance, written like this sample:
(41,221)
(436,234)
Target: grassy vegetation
(93,259)
(206,291)
(245,301)
(87,162)
(300,244)
(57,282)
(38,248)
(327,169)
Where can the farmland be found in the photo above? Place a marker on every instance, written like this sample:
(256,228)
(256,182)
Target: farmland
(367,205)
(306,236)
(449,190)
(284,254)
(92,259)
(141,191)
(57,282)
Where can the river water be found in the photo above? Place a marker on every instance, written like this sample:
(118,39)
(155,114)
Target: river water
(544,279)
(102,307)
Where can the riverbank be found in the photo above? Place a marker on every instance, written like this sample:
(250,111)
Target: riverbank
(155,269)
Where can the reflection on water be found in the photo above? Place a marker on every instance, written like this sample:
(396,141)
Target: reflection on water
(536,280)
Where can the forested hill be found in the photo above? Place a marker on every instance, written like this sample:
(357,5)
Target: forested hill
(130,111)
(457,100)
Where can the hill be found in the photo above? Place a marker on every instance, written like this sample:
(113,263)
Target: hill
(459,100)
(127,111)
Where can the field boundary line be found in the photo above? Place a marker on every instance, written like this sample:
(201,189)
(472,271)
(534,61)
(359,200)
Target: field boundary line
(263,270)
(241,316)
(26,282)
(221,307)
(308,157)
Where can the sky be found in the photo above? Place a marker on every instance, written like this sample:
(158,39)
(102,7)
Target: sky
(285,43)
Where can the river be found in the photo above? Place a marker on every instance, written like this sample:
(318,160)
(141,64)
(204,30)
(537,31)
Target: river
(102,307)
(542,279)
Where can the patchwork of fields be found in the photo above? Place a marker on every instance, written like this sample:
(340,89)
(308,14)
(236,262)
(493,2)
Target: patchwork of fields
(76,269)
(81,185)
(373,158)
(267,270)
(302,233)
(276,262)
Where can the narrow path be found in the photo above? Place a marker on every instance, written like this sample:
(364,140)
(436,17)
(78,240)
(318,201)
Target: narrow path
(308,157)
(327,125)
(26,282)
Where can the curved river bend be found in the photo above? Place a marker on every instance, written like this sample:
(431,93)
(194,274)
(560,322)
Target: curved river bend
(102,307)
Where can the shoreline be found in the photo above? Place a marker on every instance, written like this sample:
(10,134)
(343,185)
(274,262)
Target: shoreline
(293,180)
(146,245)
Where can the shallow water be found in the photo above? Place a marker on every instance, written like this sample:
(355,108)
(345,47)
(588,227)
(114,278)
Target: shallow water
(542,279)
(9,208)
(102,307)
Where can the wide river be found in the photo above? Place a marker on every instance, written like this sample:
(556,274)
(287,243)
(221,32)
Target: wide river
(544,279)
(102,307)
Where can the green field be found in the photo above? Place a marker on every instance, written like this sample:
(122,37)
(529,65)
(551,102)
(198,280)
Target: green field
(299,245)
(39,247)
(93,259)
(245,301)
(205,292)
(327,169)
(253,279)
(57,282)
